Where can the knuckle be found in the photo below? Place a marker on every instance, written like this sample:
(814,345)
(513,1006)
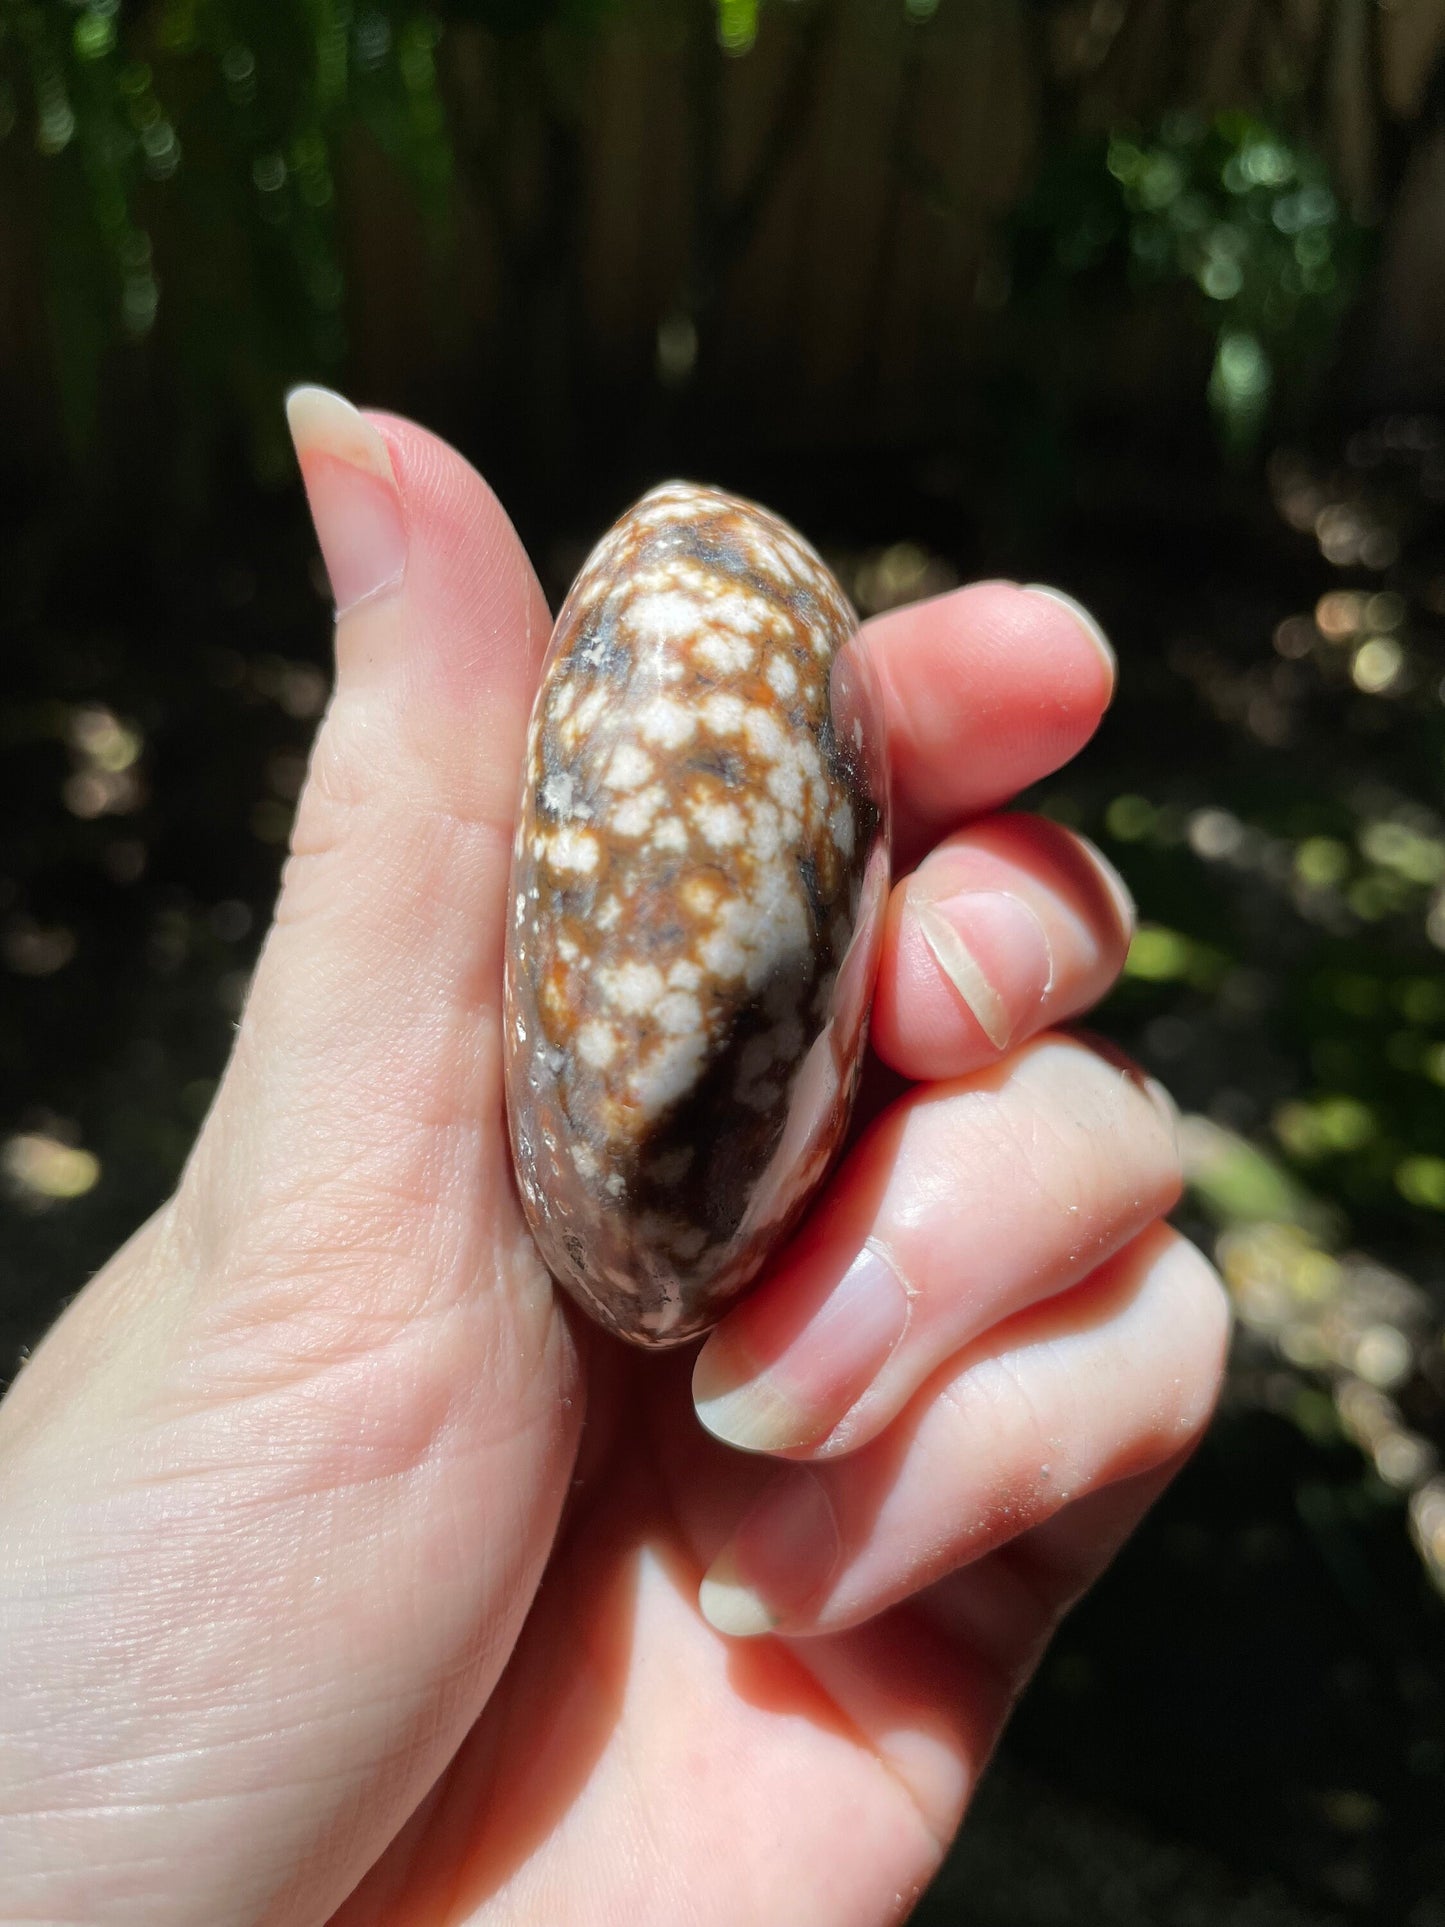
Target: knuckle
(1209,1304)
(1093,1112)
(1200,1318)
(1073,867)
(1135,1103)
(337,781)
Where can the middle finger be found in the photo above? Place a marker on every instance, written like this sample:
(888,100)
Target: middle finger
(1007,928)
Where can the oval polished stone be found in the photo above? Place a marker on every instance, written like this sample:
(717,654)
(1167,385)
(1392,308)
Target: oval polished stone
(698,888)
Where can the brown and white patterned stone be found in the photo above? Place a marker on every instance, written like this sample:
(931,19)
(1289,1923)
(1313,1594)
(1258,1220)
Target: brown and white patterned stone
(698,888)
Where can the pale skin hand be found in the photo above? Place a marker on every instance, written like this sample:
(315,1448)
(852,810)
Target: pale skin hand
(288,1627)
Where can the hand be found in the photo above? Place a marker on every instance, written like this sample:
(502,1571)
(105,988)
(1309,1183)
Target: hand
(315,1585)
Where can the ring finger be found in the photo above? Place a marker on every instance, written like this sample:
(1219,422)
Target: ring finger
(1107,1383)
(962,1205)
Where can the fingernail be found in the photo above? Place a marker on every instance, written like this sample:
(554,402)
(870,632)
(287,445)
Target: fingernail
(351,487)
(802,1394)
(1085,621)
(994,951)
(1119,892)
(778,1560)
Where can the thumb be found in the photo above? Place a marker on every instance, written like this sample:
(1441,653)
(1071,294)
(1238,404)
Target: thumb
(305,1442)
(361,1115)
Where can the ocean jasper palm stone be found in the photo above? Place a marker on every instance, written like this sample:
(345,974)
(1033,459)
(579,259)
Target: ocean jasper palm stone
(698,888)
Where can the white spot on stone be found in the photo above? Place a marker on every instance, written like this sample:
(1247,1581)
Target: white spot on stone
(785,785)
(671,574)
(764,733)
(631,986)
(842,826)
(572,852)
(668,508)
(667,1073)
(721,824)
(608,914)
(723,713)
(753,934)
(678,1012)
(584,716)
(765,832)
(724,653)
(742,610)
(584,1158)
(782,1044)
(630,767)
(659,619)
(760,1097)
(782,677)
(700,896)
(670,835)
(557,792)
(665,722)
(633,815)
(672,1167)
(684,975)
(597,1044)
(768,556)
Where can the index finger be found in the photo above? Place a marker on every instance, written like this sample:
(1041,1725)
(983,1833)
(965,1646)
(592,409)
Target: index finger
(985,690)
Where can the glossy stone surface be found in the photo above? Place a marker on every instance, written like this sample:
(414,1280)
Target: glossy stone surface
(698,888)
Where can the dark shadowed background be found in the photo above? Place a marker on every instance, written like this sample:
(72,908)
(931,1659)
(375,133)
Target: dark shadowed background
(1145,297)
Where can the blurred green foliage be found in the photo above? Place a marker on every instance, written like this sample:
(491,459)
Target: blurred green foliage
(222,120)
(219,126)
(1229,206)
